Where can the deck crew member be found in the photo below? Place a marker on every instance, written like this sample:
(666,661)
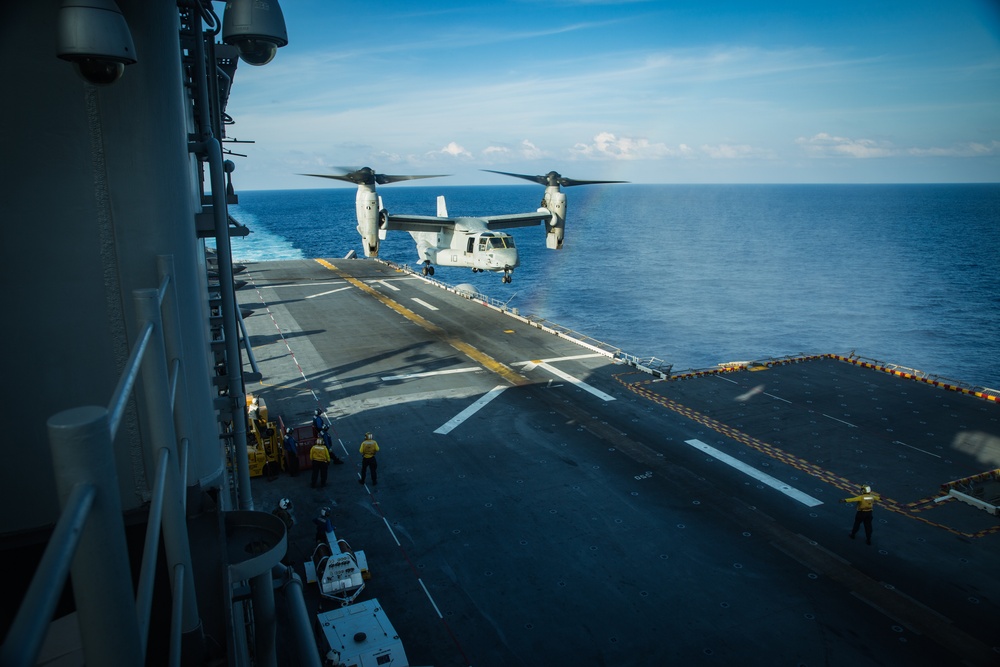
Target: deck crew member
(323,524)
(328,441)
(291,452)
(317,423)
(368,450)
(866,502)
(284,512)
(320,457)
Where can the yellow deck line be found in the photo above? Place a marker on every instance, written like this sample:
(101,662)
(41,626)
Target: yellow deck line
(476,355)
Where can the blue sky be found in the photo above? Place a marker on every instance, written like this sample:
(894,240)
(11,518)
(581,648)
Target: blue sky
(651,92)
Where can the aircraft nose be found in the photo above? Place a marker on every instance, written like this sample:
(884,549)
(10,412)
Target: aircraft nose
(507,257)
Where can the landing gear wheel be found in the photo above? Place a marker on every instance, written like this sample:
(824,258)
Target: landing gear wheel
(428,270)
(506,278)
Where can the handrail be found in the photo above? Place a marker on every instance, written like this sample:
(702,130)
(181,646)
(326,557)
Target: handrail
(177,615)
(26,634)
(93,540)
(147,573)
(119,399)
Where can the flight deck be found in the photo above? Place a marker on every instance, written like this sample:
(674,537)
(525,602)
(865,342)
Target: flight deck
(540,502)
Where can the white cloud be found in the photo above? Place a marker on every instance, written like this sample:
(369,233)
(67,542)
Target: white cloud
(530,151)
(608,145)
(455,150)
(823,145)
(526,150)
(731,152)
(972,149)
(826,145)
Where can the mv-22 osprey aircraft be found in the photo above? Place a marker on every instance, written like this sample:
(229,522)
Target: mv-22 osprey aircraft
(473,242)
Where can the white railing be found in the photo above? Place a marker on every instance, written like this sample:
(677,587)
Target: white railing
(89,537)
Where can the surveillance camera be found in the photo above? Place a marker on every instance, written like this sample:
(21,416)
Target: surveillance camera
(94,36)
(256,28)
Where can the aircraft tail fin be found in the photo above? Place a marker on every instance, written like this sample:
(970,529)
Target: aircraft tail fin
(442,207)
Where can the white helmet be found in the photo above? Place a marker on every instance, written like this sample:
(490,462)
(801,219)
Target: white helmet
(288,431)
(284,503)
(324,512)
(866,489)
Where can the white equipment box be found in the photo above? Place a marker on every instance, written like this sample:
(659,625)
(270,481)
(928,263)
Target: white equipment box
(360,635)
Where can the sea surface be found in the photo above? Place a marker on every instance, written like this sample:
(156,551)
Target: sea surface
(697,275)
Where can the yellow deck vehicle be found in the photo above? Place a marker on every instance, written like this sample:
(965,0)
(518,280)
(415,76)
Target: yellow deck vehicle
(263,439)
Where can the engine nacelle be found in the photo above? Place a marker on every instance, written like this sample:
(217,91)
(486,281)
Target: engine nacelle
(366,207)
(555,202)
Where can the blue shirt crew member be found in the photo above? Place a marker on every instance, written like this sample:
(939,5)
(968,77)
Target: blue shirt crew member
(328,443)
(291,453)
(318,423)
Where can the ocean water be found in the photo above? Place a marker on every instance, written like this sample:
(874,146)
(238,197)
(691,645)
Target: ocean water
(697,275)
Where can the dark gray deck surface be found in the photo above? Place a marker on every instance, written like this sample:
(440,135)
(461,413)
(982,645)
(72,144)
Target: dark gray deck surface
(558,527)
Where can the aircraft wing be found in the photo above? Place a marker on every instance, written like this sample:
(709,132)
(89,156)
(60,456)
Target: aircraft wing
(418,223)
(517,219)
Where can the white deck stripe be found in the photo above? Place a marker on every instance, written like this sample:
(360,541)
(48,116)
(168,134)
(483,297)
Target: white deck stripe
(900,442)
(341,289)
(431,373)
(391,531)
(579,383)
(387,285)
(428,594)
(554,359)
(774,483)
(839,420)
(425,304)
(471,410)
(283,285)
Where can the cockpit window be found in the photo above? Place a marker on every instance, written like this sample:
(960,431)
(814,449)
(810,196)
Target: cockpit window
(502,242)
(489,241)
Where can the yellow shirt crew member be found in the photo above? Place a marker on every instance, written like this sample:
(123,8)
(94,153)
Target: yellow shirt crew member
(368,462)
(319,452)
(866,502)
(320,457)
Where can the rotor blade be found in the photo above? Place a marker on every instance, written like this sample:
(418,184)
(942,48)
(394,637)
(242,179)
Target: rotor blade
(338,177)
(551,178)
(569,182)
(367,176)
(534,179)
(383,179)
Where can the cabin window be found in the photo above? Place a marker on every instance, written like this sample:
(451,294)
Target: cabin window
(472,243)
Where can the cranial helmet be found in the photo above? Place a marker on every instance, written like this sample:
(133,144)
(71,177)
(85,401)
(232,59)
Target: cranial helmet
(324,512)
(318,412)
(866,489)
(284,503)
(368,435)
(288,431)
